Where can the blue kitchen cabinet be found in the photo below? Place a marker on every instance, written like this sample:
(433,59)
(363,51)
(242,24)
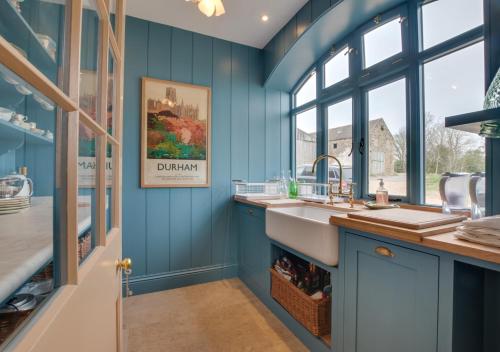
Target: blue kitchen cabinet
(254,249)
(391,297)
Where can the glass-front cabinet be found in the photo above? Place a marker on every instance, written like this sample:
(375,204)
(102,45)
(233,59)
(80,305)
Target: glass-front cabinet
(59,138)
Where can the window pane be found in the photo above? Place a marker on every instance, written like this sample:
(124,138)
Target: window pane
(305,147)
(111,92)
(382,42)
(89,60)
(36,29)
(445,19)
(387,137)
(449,90)
(30,151)
(337,68)
(87,192)
(307,92)
(340,139)
(109,187)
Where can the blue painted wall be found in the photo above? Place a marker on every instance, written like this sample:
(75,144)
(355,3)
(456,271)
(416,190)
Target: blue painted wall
(180,236)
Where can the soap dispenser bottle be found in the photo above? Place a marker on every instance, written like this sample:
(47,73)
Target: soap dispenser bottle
(382,196)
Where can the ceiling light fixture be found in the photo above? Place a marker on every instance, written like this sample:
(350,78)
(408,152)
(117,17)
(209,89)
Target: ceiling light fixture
(264,18)
(210,7)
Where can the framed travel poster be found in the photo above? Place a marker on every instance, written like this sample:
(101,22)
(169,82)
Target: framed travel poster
(175,134)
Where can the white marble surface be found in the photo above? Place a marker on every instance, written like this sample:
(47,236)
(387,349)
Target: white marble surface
(26,241)
(25,244)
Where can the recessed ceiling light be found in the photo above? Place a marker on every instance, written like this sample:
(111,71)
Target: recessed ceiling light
(264,18)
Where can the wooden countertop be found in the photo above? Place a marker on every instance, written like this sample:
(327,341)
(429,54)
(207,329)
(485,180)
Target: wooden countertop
(446,242)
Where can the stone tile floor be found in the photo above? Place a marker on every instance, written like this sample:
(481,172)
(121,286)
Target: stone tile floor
(218,316)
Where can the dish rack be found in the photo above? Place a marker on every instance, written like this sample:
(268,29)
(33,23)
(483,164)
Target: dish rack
(264,190)
(313,192)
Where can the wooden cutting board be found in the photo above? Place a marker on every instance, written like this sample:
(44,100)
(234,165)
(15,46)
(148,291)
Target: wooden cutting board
(407,218)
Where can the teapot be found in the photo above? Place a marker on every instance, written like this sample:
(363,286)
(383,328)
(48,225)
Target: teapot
(16,185)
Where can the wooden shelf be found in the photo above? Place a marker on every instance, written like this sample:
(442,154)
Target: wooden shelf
(471,122)
(20,33)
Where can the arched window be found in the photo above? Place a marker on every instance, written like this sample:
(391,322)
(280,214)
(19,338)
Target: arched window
(377,100)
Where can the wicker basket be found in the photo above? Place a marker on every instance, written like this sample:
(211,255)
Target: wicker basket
(313,314)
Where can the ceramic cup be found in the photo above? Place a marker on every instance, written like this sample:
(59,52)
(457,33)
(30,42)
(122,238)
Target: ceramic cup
(18,119)
(48,134)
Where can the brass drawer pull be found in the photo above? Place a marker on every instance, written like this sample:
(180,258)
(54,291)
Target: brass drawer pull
(386,252)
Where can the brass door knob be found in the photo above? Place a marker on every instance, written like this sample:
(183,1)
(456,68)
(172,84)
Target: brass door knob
(124,264)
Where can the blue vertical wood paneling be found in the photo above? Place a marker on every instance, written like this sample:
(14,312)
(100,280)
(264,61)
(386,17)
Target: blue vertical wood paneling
(257,119)
(158,199)
(180,199)
(201,210)
(166,230)
(273,130)
(221,144)
(134,198)
(239,112)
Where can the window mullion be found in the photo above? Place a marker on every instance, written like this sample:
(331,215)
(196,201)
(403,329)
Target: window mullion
(415,141)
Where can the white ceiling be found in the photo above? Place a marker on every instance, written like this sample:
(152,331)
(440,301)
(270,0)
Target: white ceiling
(241,23)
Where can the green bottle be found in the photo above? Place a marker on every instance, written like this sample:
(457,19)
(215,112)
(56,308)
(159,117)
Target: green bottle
(292,186)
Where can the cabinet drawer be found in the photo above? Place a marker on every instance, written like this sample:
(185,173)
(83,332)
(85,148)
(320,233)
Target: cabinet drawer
(391,297)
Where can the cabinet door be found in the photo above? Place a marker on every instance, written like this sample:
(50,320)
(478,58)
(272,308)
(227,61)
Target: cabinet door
(391,298)
(254,250)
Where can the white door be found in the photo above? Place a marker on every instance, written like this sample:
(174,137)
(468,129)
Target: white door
(84,312)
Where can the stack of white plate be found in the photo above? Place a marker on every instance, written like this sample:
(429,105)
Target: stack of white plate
(13,205)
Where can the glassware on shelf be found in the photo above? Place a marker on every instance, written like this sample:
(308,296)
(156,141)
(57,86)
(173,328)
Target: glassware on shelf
(283,184)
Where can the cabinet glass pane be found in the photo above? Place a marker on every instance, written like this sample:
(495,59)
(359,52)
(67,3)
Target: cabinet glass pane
(87,192)
(28,200)
(305,145)
(109,186)
(340,140)
(307,92)
(89,65)
(382,42)
(387,155)
(36,30)
(337,68)
(445,19)
(450,89)
(111,93)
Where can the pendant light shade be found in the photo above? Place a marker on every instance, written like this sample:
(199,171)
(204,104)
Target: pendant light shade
(210,7)
(207,7)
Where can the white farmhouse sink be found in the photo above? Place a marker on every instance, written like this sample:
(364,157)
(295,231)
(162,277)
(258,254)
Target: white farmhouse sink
(305,229)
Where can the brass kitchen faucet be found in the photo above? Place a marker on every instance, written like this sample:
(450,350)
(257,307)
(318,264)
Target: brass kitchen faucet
(340,192)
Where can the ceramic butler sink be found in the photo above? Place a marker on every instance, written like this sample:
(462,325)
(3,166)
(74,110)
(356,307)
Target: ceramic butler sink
(305,229)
